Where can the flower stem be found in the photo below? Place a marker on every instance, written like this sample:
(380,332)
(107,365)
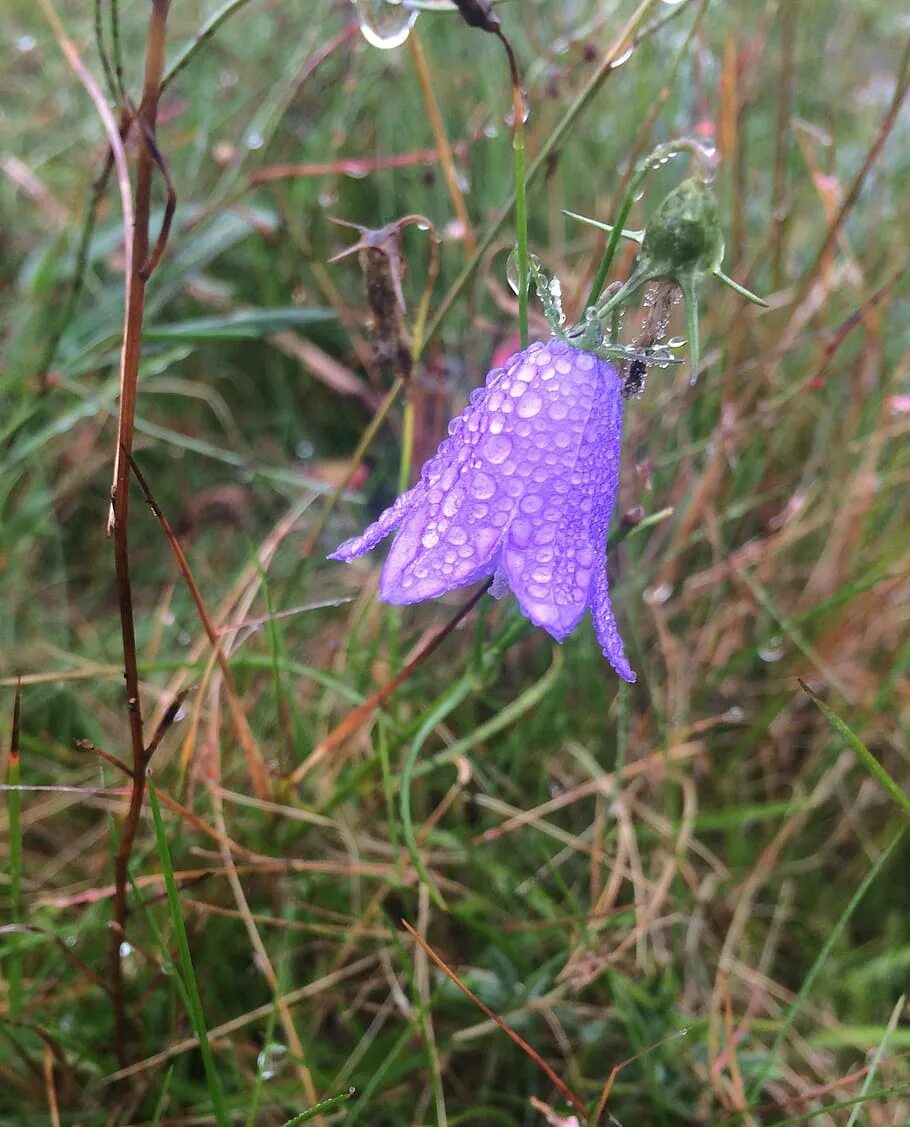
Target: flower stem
(521,229)
(521,199)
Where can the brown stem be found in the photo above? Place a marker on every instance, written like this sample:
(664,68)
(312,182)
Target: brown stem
(119,514)
(779,209)
(901,89)
(259,775)
(358,716)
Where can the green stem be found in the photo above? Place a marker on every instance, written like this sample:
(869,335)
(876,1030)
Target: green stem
(785,1026)
(14,816)
(219,1106)
(206,32)
(521,221)
(449,702)
(690,297)
(630,32)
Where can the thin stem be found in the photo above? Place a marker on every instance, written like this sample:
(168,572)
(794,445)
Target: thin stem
(14,821)
(117,51)
(206,32)
(119,515)
(188,974)
(690,297)
(783,135)
(102,52)
(627,33)
(521,199)
(450,701)
(901,89)
(446,157)
(258,771)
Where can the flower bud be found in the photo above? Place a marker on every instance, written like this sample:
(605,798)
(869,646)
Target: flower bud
(684,235)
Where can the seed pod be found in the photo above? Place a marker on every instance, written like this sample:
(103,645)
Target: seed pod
(379,251)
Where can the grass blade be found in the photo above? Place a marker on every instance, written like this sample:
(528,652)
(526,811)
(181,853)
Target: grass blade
(875,768)
(196,1016)
(14,816)
(816,967)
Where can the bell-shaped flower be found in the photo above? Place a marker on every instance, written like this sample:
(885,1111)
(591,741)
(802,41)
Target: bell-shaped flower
(522,491)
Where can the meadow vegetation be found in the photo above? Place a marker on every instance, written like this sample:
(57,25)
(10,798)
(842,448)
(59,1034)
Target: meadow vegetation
(688,896)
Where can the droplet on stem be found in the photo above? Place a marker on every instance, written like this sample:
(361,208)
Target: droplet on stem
(384,23)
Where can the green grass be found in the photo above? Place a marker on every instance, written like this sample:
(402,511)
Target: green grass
(712,850)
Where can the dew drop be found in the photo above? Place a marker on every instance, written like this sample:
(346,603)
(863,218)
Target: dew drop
(512,270)
(497,447)
(452,503)
(623,58)
(253,139)
(529,405)
(657,596)
(772,651)
(270,1059)
(483,486)
(384,24)
(525,112)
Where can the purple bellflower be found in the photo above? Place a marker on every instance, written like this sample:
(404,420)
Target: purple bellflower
(522,491)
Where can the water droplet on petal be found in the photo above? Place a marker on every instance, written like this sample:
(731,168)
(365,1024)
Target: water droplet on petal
(483,486)
(452,503)
(384,23)
(496,448)
(529,405)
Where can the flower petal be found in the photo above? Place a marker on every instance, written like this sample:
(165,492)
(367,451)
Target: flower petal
(386,523)
(605,434)
(423,564)
(549,553)
(452,536)
(606,629)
